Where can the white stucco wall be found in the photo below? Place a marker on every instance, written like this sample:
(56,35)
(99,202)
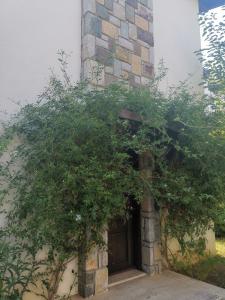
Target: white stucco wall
(31,34)
(177,36)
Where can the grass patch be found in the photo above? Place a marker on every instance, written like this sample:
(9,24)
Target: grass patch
(210,269)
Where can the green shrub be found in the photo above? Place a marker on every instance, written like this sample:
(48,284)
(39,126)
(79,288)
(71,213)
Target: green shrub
(76,174)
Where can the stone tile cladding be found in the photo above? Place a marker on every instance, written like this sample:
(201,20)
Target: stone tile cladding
(117,41)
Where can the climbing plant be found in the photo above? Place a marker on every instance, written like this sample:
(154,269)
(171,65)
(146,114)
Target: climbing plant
(70,172)
(213,58)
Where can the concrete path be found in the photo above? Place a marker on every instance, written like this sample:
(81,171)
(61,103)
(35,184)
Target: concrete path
(167,286)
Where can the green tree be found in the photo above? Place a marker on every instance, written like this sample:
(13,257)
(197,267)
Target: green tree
(213,55)
(75,173)
(213,58)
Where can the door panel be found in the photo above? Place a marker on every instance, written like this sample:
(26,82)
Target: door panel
(124,242)
(118,246)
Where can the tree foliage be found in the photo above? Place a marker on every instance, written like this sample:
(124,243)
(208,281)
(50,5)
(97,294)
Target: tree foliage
(213,55)
(213,58)
(75,173)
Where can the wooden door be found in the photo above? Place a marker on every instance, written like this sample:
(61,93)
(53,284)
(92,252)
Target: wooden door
(118,245)
(124,243)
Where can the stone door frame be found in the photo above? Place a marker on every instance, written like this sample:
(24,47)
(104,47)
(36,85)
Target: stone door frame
(93,271)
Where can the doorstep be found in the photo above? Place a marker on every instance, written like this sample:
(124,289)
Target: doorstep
(125,276)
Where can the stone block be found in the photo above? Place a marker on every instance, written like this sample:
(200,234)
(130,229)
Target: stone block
(109,29)
(144,2)
(109,70)
(102,43)
(150,4)
(101,280)
(132,81)
(118,11)
(157,231)
(102,12)
(130,13)
(145,81)
(145,36)
(126,44)
(86,291)
(122,54)
(141,23)
(89,5)
(148,215)
(126,67)
(151,28)
(150,270)
(148,70)
(92,25)
(105,37)
(159,266)
(149,230)
(91,261)
(89,277)
(137,48)
(112,45)
(146,256)
(157,252)
(147,205)
(86,283)
(94,72)
(124,29)
(109,4)
(117,68)
(102,2)
(104,56)
(136,64)
(152,257)
(110,79)
(114,21)
(142,225)
(144,12)
(133,3)
(132,31)
(145,54)
(121,2)
(125,75)
(88,46)
(137,79)
(151,55)
(144,44)
(102,259)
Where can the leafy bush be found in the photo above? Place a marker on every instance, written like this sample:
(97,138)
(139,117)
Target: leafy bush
(210,269)
(213,59)
(75,173)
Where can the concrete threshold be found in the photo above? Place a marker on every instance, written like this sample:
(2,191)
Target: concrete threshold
(125,276)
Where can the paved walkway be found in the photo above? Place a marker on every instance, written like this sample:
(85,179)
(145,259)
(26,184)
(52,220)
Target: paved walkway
(167,286)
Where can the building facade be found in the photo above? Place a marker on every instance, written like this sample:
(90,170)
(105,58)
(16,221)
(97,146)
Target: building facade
(125,40)
(32,32)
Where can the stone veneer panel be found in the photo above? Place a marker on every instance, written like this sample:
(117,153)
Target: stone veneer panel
(115,32)
(117,44)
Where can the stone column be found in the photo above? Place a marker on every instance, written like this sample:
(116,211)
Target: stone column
(93,271)
(150,223)
(117,45)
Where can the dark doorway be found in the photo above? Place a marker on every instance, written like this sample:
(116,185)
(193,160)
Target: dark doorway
(124,241)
